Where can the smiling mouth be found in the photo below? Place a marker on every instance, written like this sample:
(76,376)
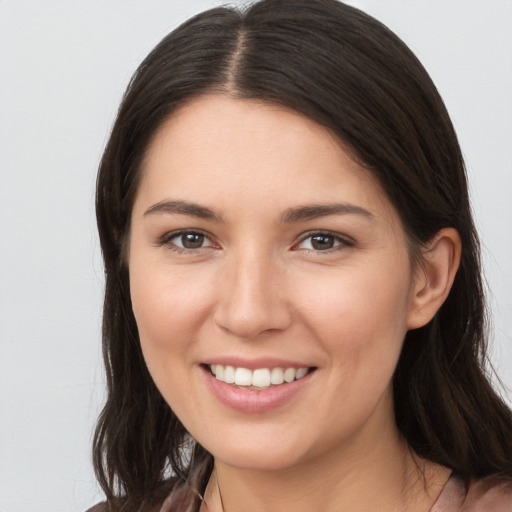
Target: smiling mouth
(259,379)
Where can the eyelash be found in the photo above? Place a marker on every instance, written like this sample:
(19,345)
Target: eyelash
(167,240)
(339,241)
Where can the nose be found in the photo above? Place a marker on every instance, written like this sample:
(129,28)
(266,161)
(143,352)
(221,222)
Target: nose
(252,298)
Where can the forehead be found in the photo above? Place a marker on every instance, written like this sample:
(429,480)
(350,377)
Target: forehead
(216,147)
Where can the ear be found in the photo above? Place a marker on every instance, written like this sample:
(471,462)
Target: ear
(434,277)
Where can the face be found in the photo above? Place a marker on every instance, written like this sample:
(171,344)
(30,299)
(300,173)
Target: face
(260,252)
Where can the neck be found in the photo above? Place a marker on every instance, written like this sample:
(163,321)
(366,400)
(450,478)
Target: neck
(375,472)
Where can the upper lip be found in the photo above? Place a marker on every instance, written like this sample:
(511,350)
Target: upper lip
(254,364)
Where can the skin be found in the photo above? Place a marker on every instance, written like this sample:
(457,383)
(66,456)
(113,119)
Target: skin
(256,287)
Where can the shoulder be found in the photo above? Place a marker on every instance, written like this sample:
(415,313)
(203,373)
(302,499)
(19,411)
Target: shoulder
(103,507)
(489,494)
(170,496)
(99,507)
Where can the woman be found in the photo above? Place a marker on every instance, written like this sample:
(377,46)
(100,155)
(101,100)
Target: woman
(293,314)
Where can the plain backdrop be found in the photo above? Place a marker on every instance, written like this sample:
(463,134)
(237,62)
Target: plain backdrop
(63,67)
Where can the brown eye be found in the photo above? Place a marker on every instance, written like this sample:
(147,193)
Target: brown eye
(192,240)
(323,241)
(186,240)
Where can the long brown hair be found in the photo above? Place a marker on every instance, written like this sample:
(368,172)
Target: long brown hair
(348,72)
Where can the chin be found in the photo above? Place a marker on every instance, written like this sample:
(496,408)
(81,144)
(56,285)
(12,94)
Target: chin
(261,451)
(257,459)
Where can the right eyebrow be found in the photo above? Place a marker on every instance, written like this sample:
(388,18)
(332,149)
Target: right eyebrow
(183,208)
(315,211)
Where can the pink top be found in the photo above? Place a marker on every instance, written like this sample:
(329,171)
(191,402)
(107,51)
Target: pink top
(485,495)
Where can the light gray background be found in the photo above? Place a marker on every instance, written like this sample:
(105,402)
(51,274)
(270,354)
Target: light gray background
(63,67)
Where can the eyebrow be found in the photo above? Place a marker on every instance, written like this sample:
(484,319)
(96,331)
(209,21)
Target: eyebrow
(183,208)
(311,212)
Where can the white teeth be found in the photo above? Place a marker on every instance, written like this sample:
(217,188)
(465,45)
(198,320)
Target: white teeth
(260,378)
(289,374)
(277,376)
(243,377)
(301,372)
(229,375)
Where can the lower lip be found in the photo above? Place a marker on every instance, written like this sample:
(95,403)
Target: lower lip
(255,401)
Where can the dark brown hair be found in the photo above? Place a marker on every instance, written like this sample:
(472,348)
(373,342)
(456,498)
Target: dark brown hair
(347,71)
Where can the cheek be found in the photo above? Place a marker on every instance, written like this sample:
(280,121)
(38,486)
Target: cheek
(359,322)
(169,308)
(359,316)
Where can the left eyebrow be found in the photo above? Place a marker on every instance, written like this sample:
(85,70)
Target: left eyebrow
(315,211)
(183,208)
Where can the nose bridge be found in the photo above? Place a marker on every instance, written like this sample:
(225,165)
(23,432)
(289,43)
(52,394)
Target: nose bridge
(251,301)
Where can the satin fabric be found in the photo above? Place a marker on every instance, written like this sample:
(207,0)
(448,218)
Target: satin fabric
(485,495)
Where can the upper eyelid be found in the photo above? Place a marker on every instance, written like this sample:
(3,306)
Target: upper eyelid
(334,234)
(343,243)
(169,235)
(182,231)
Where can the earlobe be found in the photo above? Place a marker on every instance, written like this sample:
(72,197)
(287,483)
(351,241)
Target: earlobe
(435,277)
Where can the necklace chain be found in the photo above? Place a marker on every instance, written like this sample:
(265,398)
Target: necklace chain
(220,494)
